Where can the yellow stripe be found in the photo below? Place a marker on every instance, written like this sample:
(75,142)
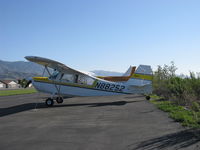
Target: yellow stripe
(41,78)
(141,76)
(46,79)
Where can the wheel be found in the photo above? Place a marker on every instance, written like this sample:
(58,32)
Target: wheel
(49,102)
(59,100)
(148,97)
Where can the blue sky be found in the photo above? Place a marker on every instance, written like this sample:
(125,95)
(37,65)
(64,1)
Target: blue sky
(103,34)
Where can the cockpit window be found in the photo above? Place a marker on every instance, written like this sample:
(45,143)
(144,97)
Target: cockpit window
(67,78)
(79,79)
(82,79)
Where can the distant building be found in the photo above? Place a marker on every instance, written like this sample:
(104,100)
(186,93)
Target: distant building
(8,84)
(2,84)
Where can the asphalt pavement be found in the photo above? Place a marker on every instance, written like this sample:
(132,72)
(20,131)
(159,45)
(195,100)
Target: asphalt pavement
(126,122)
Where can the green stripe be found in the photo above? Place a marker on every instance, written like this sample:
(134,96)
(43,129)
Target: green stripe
(141,76)
(72,85)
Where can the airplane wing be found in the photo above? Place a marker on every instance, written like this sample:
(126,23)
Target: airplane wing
(54,65)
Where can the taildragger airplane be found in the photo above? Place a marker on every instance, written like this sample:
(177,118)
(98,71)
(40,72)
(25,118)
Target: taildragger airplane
(67,82)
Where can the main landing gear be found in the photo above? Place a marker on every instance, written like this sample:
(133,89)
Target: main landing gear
(49,101)
(59,100)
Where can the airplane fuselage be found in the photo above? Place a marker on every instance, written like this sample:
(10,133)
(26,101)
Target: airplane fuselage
(98,88)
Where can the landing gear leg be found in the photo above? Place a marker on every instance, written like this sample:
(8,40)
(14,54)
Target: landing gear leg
(49,102)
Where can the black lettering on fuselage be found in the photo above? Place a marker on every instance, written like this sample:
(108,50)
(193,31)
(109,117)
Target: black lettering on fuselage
(110,87)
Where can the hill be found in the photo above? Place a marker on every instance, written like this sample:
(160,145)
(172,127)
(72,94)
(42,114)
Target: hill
(22,69)
(19,69)
(106,73)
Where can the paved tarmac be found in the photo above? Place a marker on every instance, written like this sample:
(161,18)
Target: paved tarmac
(126,122)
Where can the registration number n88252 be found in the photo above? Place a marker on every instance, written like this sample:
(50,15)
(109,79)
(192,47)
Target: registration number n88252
(110,87)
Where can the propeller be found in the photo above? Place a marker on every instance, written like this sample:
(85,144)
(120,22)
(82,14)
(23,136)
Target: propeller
(28,83)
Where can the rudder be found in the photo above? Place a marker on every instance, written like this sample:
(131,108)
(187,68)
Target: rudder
(141,80)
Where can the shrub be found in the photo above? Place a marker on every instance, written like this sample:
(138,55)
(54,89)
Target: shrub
(195,107)
(183,90)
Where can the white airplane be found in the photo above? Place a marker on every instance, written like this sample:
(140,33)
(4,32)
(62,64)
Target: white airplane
(65,81)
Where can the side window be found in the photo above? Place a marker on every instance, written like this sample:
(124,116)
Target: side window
(67,78)
(82,79)
(90,81)
(79,79)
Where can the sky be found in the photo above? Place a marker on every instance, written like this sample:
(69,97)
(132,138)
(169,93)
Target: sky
(103,34)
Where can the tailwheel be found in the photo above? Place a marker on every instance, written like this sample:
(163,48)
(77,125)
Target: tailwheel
(49,102)
(59,100)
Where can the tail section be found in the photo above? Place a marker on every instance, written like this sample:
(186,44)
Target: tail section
(123,78)
(141,80)
(143,72)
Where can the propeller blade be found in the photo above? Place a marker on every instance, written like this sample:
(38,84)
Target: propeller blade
(29,82)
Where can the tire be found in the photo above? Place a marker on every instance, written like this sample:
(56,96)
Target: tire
(49,102)
(59,100)
(148,97)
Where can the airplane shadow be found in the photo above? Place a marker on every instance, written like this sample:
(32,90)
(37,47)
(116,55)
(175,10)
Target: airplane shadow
(179,140)
(30,106)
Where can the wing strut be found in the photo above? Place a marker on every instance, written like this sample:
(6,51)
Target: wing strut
(58,87)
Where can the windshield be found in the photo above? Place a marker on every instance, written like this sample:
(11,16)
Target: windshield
(54,74)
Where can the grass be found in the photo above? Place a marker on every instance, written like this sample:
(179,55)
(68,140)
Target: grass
(17,92)
(187,118)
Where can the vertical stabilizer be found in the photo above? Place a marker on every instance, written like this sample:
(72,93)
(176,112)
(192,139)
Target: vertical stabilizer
(129,71)
(141,80)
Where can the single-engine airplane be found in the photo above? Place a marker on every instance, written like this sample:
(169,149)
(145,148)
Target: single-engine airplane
(65,81)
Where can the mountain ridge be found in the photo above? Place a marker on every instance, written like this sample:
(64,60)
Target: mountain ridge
(22,69)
